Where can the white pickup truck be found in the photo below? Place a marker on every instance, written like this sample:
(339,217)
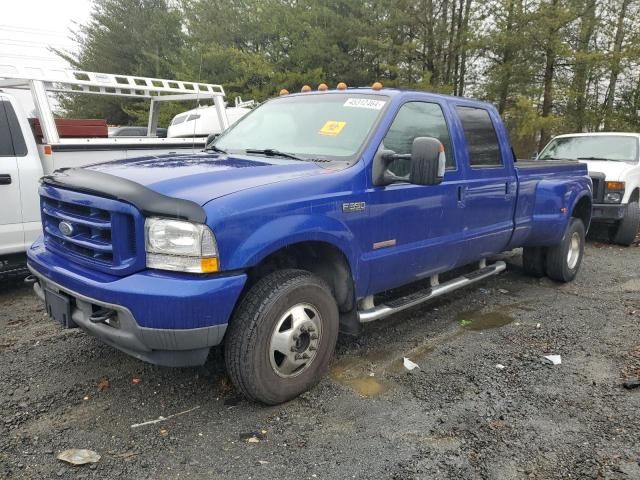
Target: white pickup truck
(613,160)
(25,157)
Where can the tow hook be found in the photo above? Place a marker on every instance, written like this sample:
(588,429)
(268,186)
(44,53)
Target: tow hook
(102,316)
(31,279)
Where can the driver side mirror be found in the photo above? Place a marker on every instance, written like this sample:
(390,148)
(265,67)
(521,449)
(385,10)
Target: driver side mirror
(427,161)
(427,164)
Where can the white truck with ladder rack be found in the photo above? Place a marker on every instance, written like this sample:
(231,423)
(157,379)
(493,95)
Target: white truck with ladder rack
(30,150)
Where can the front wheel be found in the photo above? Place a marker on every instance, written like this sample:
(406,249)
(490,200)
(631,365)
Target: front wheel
(627,229)
(564,259)
(281,339)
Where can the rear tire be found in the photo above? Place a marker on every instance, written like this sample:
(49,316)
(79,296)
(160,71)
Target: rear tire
(533,261)
(564,259)
(627,229)
(282,336)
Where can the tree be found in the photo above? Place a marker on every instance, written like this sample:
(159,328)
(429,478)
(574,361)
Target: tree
(129,37)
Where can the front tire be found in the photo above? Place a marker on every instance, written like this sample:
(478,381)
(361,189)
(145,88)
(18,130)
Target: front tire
(627,228)
(282,336)
(564,259)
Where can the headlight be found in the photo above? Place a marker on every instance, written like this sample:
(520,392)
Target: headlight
(614,192)
(613,197)
(180,246)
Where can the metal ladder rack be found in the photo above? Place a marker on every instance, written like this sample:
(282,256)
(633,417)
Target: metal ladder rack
(40,81)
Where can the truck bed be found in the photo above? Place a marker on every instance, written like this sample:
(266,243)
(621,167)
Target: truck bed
(539,208)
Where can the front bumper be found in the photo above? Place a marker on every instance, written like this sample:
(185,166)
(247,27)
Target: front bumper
(605,212)
(161,318)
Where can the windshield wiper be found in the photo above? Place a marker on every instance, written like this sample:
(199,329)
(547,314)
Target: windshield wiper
(270,152)
(597,158)
(214,149)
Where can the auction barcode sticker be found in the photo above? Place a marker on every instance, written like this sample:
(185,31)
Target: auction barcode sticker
(365,103)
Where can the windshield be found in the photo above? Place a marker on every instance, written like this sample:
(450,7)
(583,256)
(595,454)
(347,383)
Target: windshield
(615,148)
(328,126)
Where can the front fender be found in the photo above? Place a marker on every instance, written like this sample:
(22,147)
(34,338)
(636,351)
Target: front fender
(288,230)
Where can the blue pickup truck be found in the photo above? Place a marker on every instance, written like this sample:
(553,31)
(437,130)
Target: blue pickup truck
(289,227)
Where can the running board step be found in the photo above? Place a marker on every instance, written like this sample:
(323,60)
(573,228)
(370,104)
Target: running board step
(402,303)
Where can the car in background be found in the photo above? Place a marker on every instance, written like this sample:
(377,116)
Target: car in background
(135,131)
(613,160)
(204,121)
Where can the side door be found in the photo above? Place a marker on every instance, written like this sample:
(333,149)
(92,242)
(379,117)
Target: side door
(11,228)
(415,230)
(489,195)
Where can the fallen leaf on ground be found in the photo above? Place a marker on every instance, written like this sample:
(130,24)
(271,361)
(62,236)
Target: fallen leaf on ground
(103,384)
(136,380)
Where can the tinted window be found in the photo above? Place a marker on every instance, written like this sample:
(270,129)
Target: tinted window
(482,141)
(6,143)
(19,146)
(417,119)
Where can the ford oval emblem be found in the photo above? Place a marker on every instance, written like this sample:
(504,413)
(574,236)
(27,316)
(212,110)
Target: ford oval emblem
(65,228)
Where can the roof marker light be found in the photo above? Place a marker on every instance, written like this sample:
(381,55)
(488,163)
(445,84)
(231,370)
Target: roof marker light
(284,92)
(376,86)
(341,86)
(323,87)
(305,89)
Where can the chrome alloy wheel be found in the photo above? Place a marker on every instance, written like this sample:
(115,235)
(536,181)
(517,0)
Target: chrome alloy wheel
(574,251)
(295,339)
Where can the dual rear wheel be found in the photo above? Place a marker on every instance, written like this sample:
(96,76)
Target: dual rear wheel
(560,262)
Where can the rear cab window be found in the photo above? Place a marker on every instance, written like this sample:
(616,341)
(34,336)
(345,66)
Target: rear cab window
(480,134)
(12,142)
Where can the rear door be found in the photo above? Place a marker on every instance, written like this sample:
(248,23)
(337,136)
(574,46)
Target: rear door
(11,229)
(489,195)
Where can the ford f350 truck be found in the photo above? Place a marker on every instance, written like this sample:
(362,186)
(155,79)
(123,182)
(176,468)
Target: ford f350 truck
(292,223)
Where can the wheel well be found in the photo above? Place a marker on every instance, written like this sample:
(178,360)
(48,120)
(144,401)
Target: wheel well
(582,210)
(321,258)
(635,195)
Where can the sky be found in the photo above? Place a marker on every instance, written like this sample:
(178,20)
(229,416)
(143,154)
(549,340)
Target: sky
(28,28)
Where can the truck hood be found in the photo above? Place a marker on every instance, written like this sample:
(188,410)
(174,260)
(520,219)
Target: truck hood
(613,171)
(206,176)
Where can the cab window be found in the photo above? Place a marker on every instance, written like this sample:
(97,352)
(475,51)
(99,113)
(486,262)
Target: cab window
(417,119)
(482,141)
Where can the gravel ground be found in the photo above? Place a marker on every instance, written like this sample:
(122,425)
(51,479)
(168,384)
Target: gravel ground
(459,416)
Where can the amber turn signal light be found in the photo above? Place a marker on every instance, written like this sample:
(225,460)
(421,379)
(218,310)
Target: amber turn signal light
(615,185)
(209,265)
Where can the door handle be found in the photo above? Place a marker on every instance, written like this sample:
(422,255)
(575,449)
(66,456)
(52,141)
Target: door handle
(5,179)
(508,194)
(461,194)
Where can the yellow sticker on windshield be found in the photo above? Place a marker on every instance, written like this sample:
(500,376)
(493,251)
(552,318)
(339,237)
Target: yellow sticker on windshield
(332,128)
